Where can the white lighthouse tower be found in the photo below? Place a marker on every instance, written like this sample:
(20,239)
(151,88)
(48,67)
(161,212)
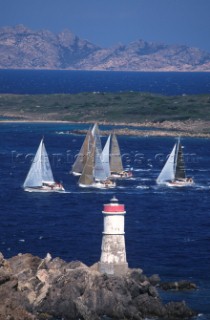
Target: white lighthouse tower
(113,253)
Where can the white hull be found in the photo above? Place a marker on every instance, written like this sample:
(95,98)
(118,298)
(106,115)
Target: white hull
(121,175)
(98,185)
(76,174)
(180,183)
(42,190)
(45,189)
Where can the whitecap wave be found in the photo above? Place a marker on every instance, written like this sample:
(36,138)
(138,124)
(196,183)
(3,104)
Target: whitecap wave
(142,187)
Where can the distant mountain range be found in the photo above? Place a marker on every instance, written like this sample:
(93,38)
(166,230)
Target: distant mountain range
(22,48)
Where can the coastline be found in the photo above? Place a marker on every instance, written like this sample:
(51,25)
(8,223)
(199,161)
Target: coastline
(188,128)
(33,288)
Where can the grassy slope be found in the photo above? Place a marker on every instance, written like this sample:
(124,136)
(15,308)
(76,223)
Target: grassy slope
(111,107)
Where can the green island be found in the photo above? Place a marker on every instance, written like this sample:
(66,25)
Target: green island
(172,115)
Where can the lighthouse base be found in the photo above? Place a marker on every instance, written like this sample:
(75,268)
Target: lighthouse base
(111,268)
(113,255)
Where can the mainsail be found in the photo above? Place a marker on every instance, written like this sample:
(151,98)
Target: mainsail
(180,166)
(115,156)
(40,170)
(86,177)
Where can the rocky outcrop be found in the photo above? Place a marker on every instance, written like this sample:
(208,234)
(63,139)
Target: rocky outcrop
(22,48)
(155,131)
(36,289)
(178,285)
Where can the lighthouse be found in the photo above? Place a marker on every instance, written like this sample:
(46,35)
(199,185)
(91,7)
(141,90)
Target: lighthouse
(113,253)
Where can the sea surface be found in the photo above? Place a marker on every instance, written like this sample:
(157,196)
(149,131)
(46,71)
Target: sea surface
(41,82)
(167,230)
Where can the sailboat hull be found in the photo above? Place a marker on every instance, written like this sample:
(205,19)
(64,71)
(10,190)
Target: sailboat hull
(45,188)
(180,183)
(99,185)
(121,175)
(76,174)
(41,190)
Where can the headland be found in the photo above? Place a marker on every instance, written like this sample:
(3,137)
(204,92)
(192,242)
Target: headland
(142,114)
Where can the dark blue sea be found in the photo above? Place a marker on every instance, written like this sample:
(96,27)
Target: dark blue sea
(40,82)
(167,229)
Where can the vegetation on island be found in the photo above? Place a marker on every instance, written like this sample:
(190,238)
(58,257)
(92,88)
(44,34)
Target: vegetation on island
(128,107)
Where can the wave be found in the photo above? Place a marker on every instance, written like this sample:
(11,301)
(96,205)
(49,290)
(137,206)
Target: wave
(142,187)
(201,187)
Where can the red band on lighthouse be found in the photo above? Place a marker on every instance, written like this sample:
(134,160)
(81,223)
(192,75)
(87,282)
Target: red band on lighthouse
(114,208)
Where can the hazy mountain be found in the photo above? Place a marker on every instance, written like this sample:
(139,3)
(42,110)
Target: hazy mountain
(22,48)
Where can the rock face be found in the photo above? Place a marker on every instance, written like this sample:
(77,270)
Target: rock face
(22,48)
(39,289)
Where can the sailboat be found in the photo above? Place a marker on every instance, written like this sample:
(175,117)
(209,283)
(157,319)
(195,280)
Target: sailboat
(173,173)
(81,158)
(93,133)
(116,166)
(94,174)
(40,177)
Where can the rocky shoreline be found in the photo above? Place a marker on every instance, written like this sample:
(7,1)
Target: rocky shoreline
(146,133)
(189,128)
(32,288)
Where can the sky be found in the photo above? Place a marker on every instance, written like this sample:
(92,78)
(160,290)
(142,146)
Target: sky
(111,22)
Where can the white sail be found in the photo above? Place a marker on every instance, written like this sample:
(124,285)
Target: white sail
(98,172)
(105,157)
(168,171)
(40,170)
(47,175)
(96,135)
